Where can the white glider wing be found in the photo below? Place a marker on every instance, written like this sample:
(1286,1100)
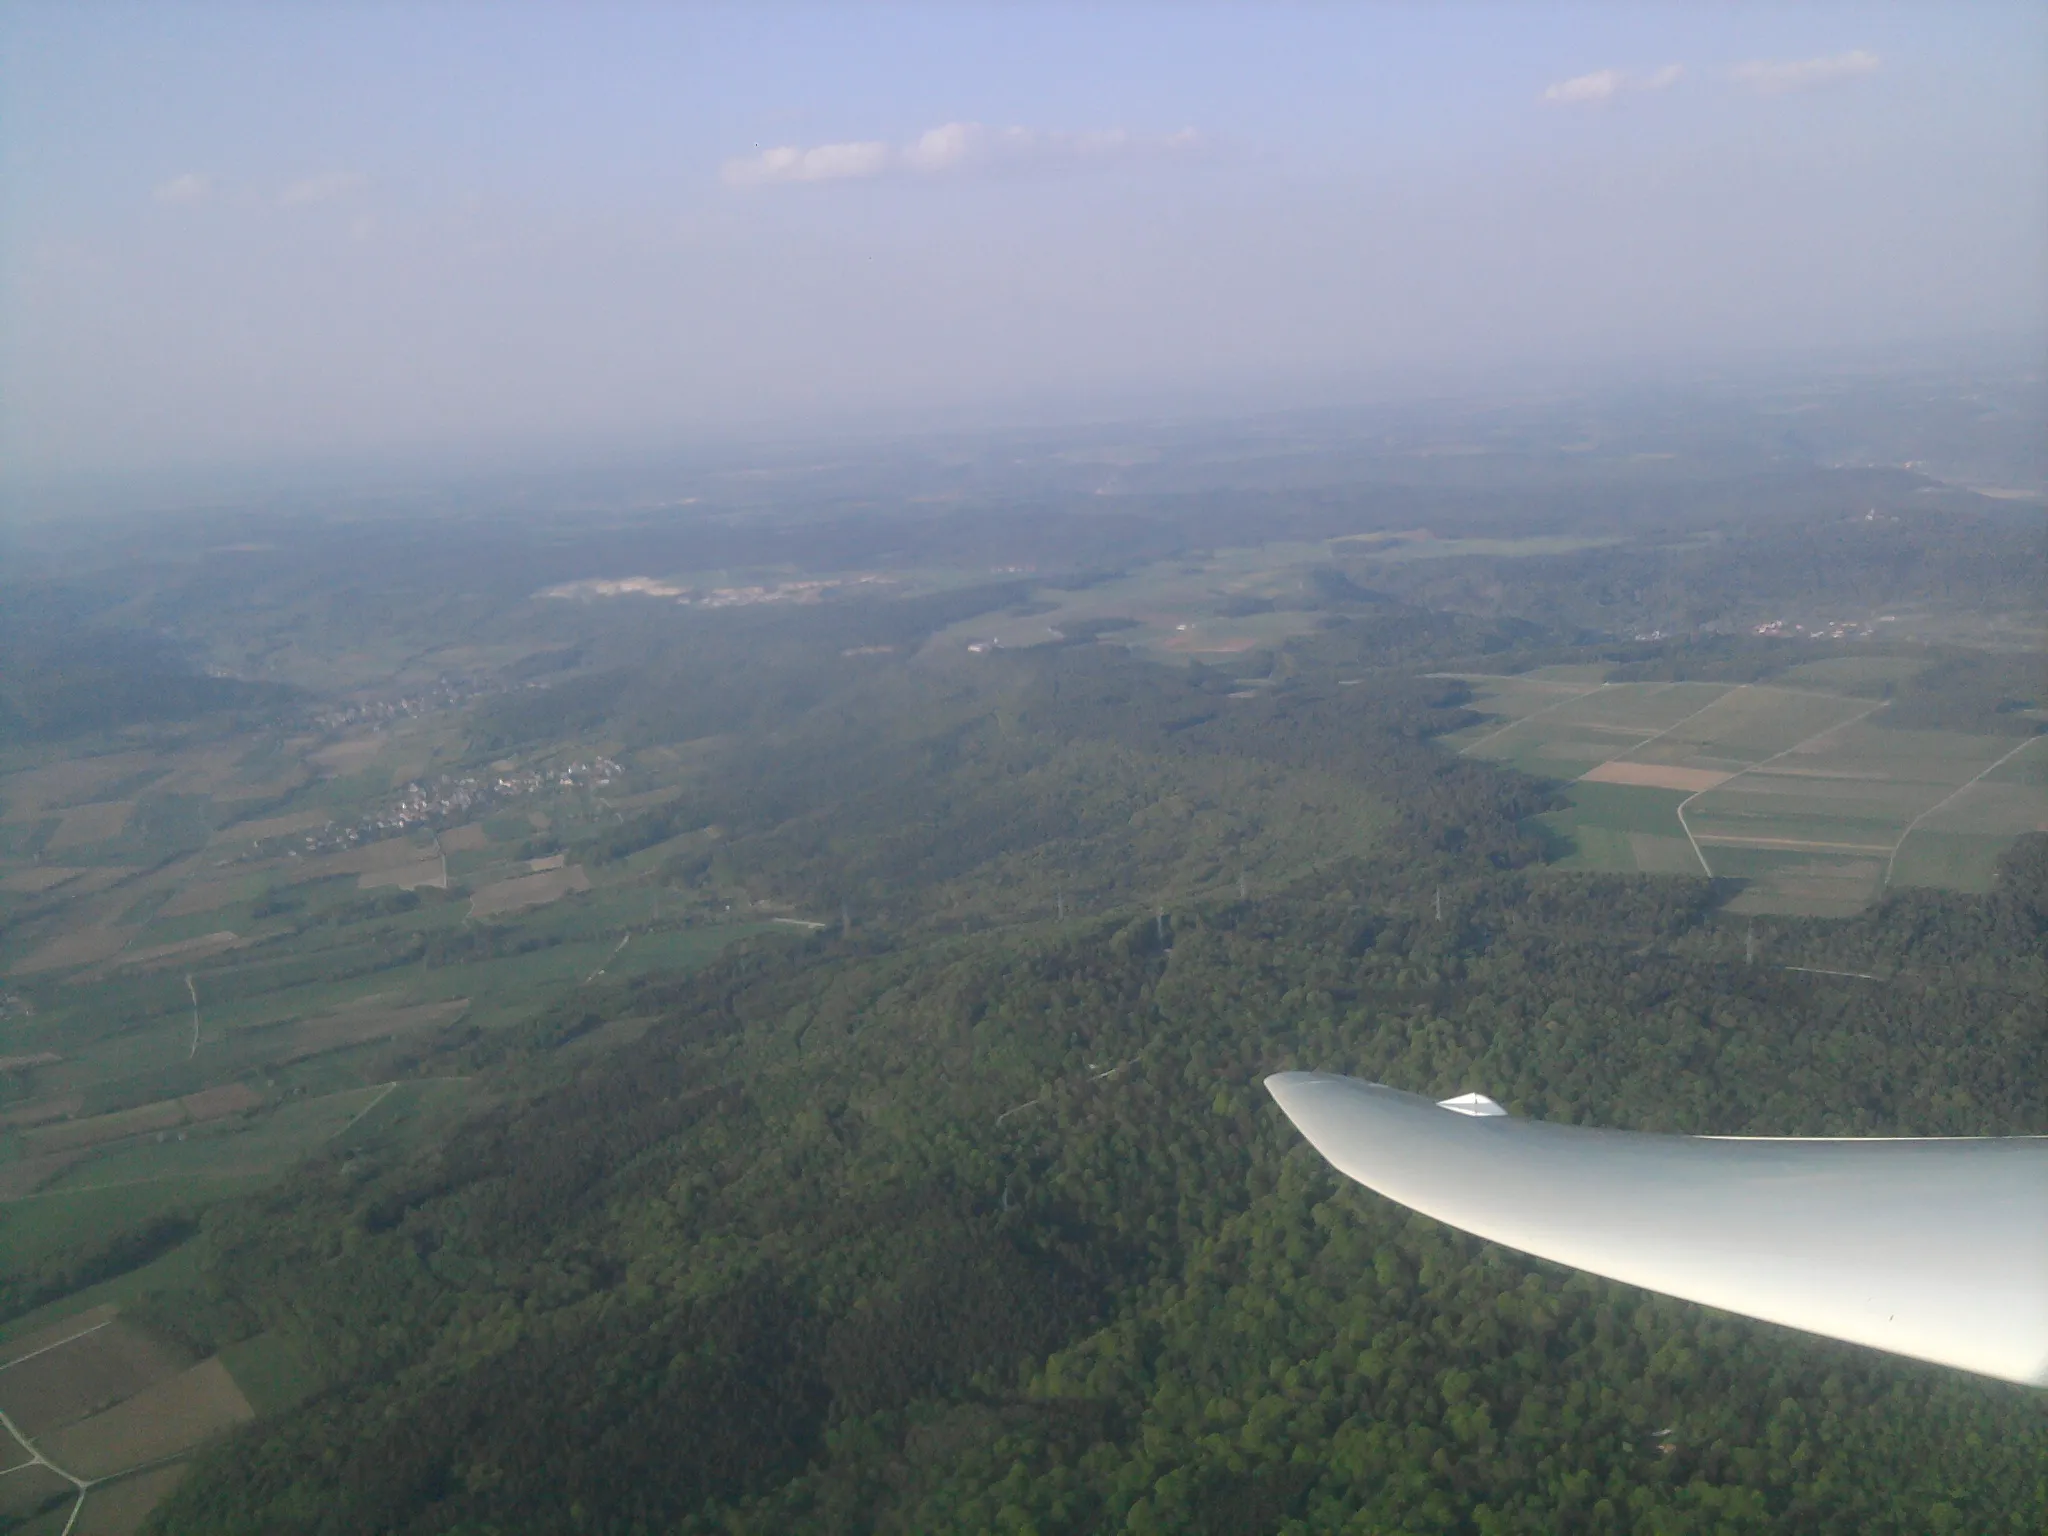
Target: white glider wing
(1933,1248)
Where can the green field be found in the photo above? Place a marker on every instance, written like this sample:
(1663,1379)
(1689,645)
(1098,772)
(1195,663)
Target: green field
(1801,793)
(271,1372)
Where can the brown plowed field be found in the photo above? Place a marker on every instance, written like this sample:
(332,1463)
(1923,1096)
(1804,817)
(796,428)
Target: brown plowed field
(353,1026)
(31,882)
(355,861)
(81,946)
(26,1175)
(205,895)
(528,891)
(29,792)
(163,1115)
(119,1509)
(91,823)
(41,1111)
(272,826)
(23,1493)
(405,876)
(86,1376)
(184,949)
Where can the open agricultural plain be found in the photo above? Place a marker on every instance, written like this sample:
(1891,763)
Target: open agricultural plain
(1807,795)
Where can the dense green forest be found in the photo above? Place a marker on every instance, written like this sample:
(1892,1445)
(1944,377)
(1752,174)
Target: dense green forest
(955,1223)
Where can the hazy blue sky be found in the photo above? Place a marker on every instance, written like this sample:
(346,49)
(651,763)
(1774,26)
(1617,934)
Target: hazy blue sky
(240,233)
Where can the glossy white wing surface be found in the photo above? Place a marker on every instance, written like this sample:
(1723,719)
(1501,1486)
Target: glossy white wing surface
(1933,1248)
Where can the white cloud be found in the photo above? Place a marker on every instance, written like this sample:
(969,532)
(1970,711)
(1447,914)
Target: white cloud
(949,148)
(821,162)
(323,188)
(1772,77)
(191,187)
(1605,85)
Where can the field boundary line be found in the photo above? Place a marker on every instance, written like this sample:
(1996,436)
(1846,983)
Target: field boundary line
(17,1360)
(1840,725)
(189,987)
(1473,746)
(1790,844)
(1892,862)
(37,1458)
(608,959)
(84,1485)
(382,1095)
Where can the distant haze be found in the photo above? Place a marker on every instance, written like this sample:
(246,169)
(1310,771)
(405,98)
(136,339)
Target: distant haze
(239,235)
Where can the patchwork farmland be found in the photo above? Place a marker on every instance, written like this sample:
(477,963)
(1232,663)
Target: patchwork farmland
(1806,795)
(96,1417)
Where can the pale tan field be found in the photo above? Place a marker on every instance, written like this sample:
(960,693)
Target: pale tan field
(346,756)
(204,770)
(388,854)
(31,793)
(467,839)
(364,1022)
(206,895)
(528,891)
(56,1332)
(224,1099)
(1654,776)
(185,949)
(273,826)
(81,946)
(84,825)
(639,802)
(85,1376)
(44,877)
(160,1420)
(295,777)
(25,1175)
(41,1111)
(163,1115)
(406,877)
(1207,643)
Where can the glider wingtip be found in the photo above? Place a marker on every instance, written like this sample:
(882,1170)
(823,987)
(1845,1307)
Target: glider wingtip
(1285,1085)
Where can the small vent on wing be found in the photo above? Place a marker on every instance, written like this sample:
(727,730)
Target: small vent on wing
(1471,1104)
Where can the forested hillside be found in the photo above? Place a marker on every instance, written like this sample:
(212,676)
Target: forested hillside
(780,1049)
(926,1226)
